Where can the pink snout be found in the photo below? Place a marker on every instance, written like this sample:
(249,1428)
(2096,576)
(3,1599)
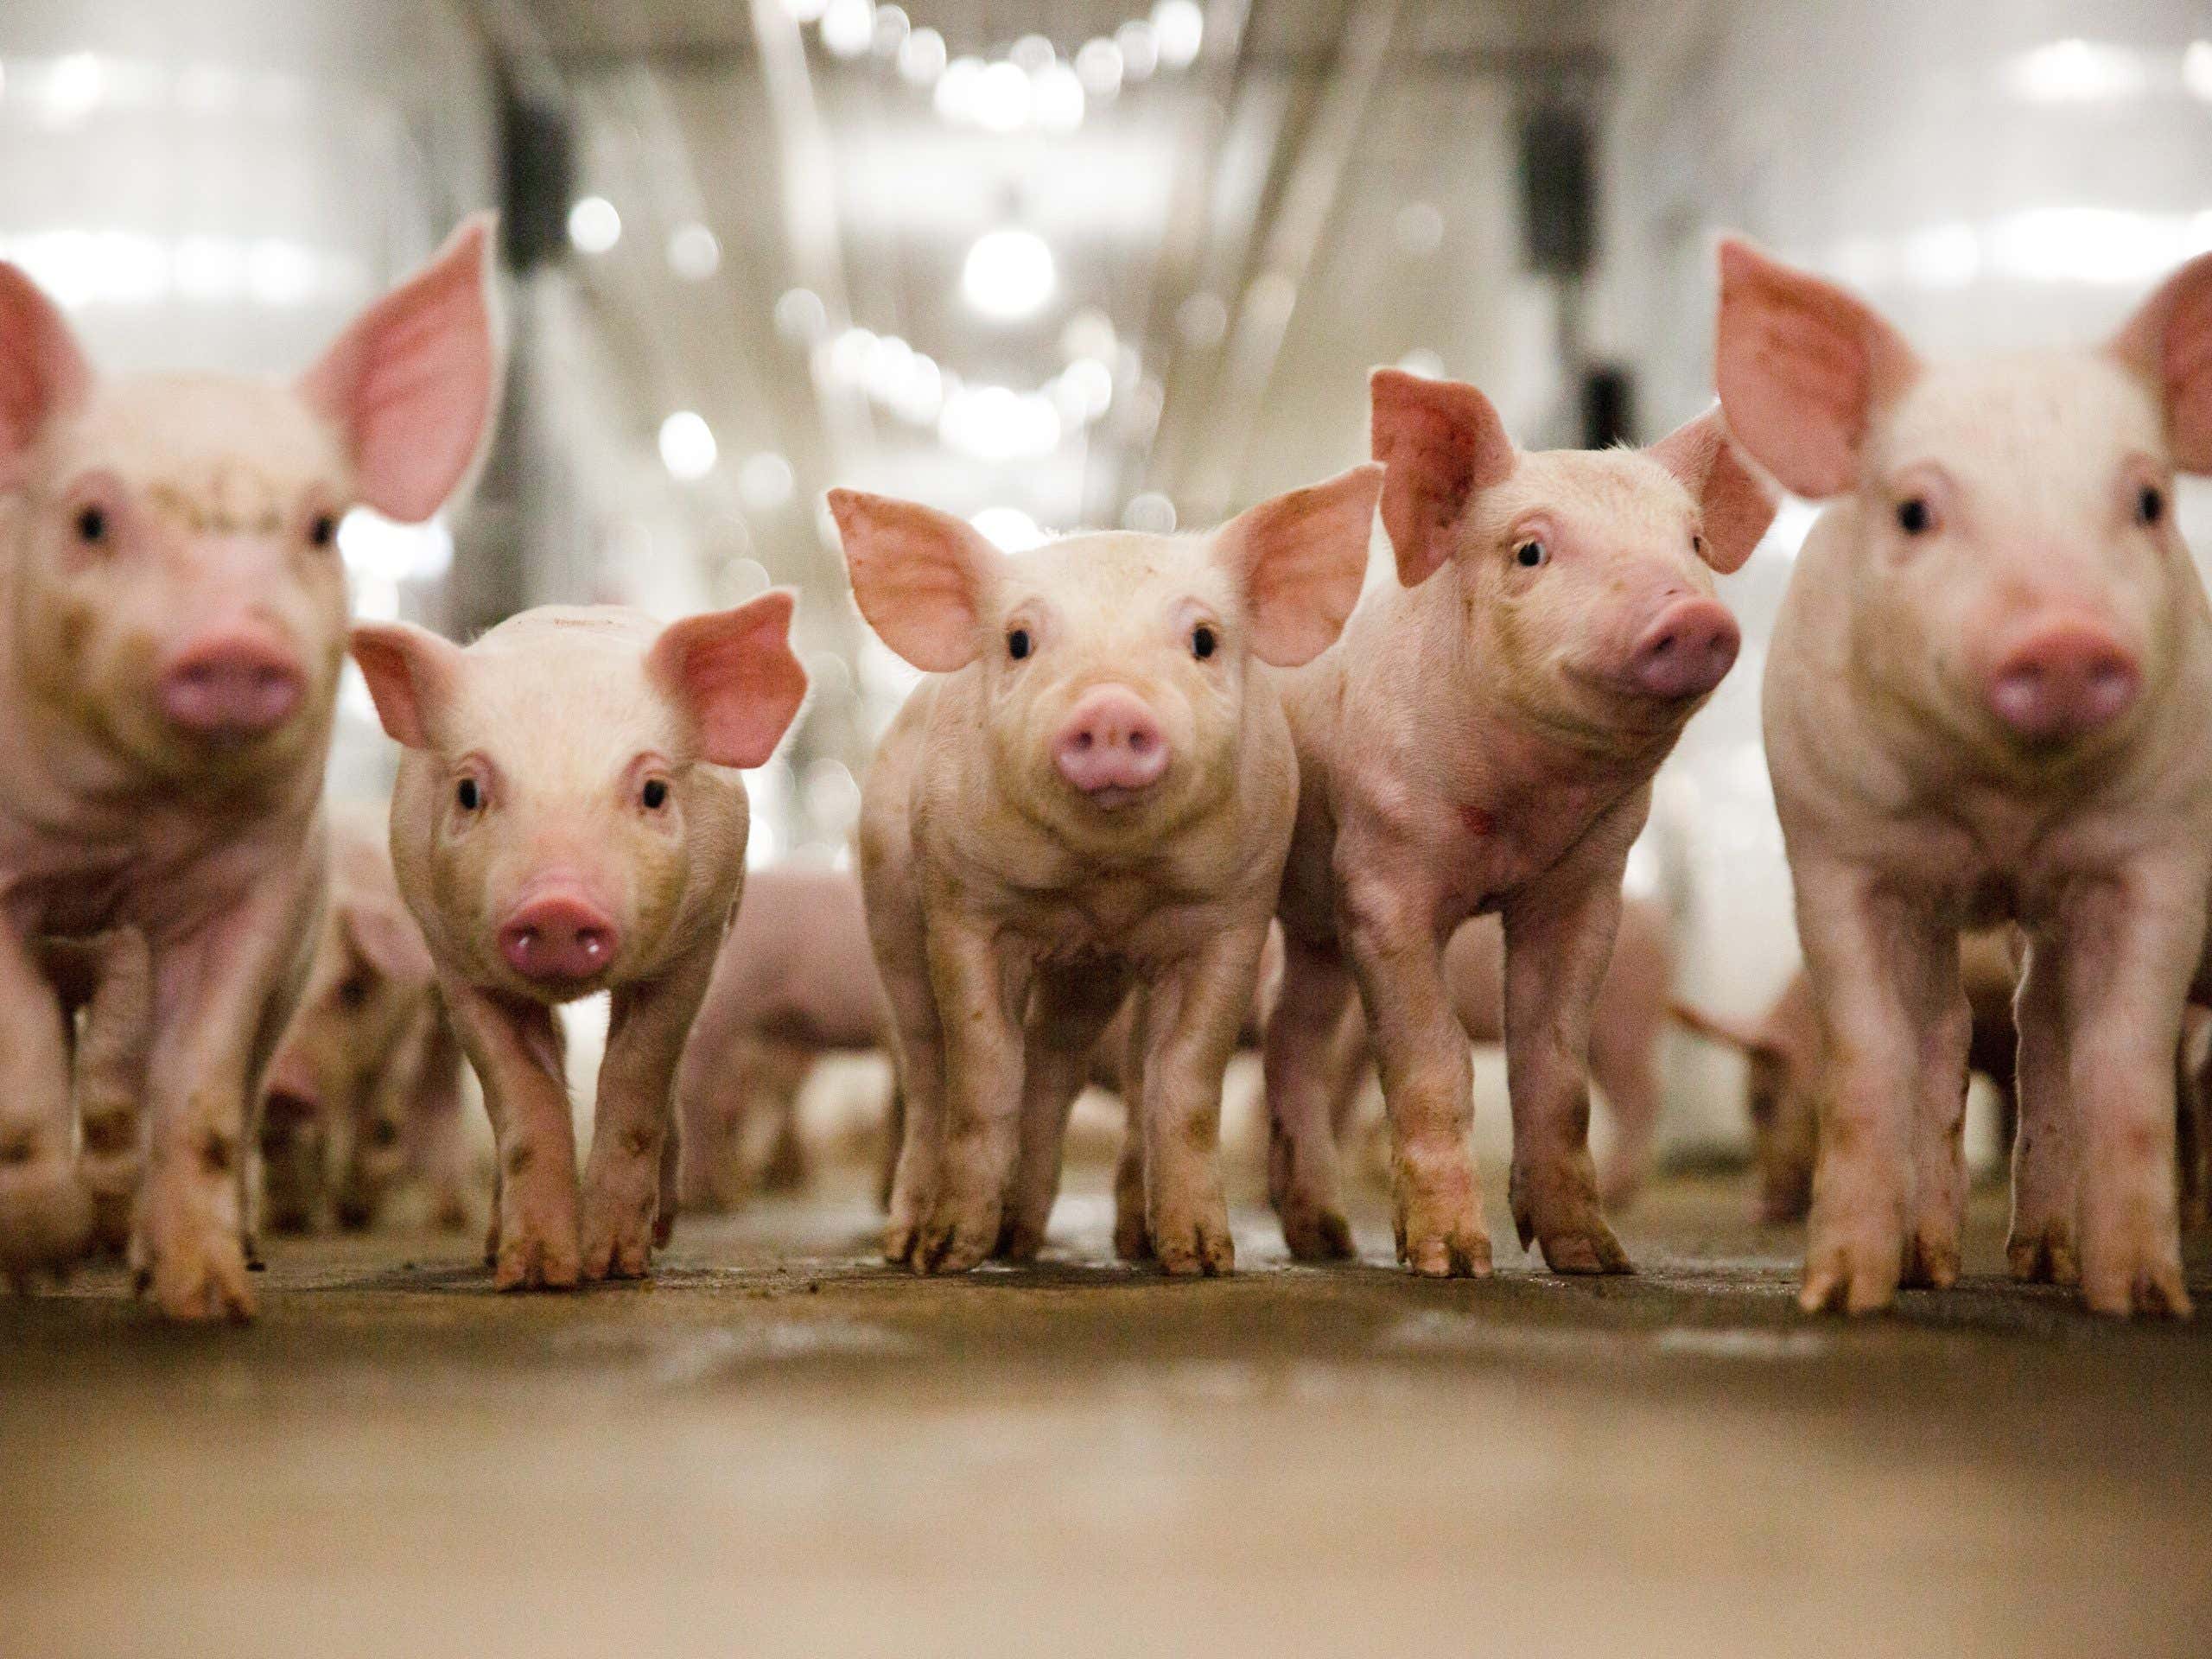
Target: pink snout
(1110,742)
(232,686)
(2063,681)
(1686,649)
(558,938)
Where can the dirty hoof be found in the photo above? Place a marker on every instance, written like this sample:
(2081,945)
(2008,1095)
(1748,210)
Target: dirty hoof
(1850,1270)
(46,1218)
(2043,1256)
(1317,1234)
(197,1279)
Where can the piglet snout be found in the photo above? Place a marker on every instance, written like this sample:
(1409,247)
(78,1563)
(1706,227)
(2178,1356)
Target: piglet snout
(2063,680)
(1110,742)
(1686,649)
(232,686)
(558,937)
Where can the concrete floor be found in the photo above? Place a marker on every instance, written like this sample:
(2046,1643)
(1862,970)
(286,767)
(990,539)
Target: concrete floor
(778,1447)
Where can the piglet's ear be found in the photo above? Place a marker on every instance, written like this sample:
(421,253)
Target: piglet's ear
(1442,442)
(1301,558)
(1802,367)
(43,371)
(386,940)
(410,384)
(2169,339)
(412,674)
(921,577)
(734,676)
(1735,504)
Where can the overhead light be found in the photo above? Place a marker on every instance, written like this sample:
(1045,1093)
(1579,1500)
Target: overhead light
(686,446)
(1150,513)
(73,87)
(1943,256)
(801,316)
(1009,274)
(1140,46)
(804,11)
(1181,27)
(1001,98)
(2076,71)
(1008,529)
(1088,385)
(693,252)
(1098,65)
(2196,70)
(593,226)
(889,31)
(764,482)
(1032,54)
(848,27)
(921,57)
(1056,98)
(999,424)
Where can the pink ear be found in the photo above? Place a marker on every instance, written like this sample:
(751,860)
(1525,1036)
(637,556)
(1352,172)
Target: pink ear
(1442,442)
(388,942)
(410,384)
(1302,557)
(2169,339)
(412,674)
(41,369)
(1801,367)
(1734,503)
(734,673)
(919,576)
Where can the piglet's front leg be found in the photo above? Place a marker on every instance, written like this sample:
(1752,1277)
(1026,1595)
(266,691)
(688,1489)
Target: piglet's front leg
(979,998)
(623,1180)
(1559,941)
(515,1046)
(46,1215)
(1186,1021)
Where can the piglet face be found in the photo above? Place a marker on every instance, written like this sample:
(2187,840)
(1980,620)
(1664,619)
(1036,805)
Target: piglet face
(180,599)
(1586,577)
(1113,668)
(563,804)
(2015,570)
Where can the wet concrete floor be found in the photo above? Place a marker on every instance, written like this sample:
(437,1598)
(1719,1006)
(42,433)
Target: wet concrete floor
(779,1447)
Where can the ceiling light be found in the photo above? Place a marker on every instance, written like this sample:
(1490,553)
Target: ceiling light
(1002,97)
(686,446)
(2074,71)
(1008,529)
(593,226)
(1056,96)
(2196,69)
(848,27)
(1098,64)
(1009,274)
(800,314)
(1090,386)
(1181,29)
(890,31)
(921,57)
(1150,513)
(998,423)
(764,482)
(955,97)
(804,11)
(693,252)
(1139,45)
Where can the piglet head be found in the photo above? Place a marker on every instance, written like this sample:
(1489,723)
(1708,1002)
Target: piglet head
(181,603)
(1586,578)
(1114,666)
(562,806)
(2015,571)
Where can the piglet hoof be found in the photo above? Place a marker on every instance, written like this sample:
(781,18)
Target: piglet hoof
(1019,1242)
(2131,1263)
(899,1241)
(1850,1268)
(1560,1214)
(530,1260)
(1132,1236)
(1190,1246)
(2043,1254)
(1439,1242)
(45,1218)
(1931,1261)
(449,1214)
(197,1277)
(618,1239)
(953,1242)
(1317,1234)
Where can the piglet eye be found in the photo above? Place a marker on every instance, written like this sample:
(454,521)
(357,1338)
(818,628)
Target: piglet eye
(1530,554)
(353,991)
(468,795)
(92,526)
(1914,517)
(1202,642)
(2150,505)
(323,532)
(654,794)
(1017,643)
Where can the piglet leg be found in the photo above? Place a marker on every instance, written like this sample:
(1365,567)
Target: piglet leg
(1067,1012)
(110,1080)
(1187,1020)
(46,1214)
(515,1046)
(1301,1057)
(624,1177)
(2045,1243)
(1559,941)
(980,998)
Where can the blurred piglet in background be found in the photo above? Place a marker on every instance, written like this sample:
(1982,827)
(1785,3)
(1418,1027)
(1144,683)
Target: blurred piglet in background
(364,1090)
(172,630)
(567,821)
(1092,799)
(1483,739)
(1986,701)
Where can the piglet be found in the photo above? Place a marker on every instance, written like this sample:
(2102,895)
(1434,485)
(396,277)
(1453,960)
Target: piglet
(1985,701)
(1092,796)
(365,1084)
(566,821)
(169,649)
(1483,739)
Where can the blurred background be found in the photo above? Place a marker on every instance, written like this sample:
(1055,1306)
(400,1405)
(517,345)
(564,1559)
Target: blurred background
(1080,262)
